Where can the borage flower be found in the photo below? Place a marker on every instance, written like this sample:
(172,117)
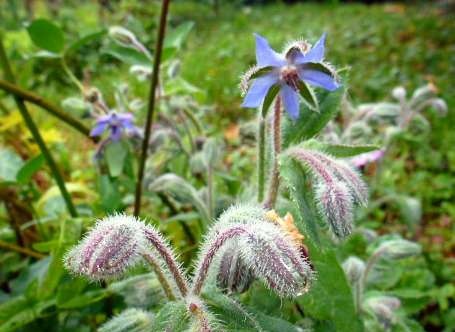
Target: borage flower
(289,73)
(117,124)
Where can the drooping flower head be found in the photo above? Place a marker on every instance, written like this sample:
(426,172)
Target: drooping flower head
(117,124)
(290,73)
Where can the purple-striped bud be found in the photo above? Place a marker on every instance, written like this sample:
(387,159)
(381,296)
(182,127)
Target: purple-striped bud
(335,205)
(233,273)
(110,248)
(262,247)
(337,188)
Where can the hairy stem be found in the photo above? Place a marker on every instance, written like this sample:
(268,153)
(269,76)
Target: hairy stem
(151,105)
(275,175)
(261,158)
(161,275)
(168,257)
(36,134)
(46,105)
(210,253)
(362,283)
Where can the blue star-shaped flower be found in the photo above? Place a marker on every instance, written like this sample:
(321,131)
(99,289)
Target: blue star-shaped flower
(116,123)
(290,72)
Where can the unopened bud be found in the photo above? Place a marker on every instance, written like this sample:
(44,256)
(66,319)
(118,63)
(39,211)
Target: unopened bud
(398,249)
(110,248)
(354,268)
(335,205)
(399,93)
(129,320)
(122,36)
(233,273)
(142,73)
(384,308)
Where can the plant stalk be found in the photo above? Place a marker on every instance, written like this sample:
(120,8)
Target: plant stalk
(36,134)
(151,105)
(275,175)
(261,159)
(46,105)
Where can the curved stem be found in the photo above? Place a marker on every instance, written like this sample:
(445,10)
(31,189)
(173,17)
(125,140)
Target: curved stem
(46,105)
(25,251)
(151,105)
(36,135)
(210,253)
(71,75)
(161,275)
(363,280)
(162,248)
(275,176)
(261,159)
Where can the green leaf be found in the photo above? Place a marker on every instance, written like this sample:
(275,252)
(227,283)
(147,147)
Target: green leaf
(86,39)
(176,37)
(84,300)
(330,297)
(183,190)
(233,314)
(320,66)
(46,35)
(171,317)
(10,164)
(340,150)
(29,169)
(308,95)
(311,123)
(295,179)
(115,155)
(111,198)
(127,55)
(270,96)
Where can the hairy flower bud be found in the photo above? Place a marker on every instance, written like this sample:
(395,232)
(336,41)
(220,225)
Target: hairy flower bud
(114,244)
(399,93)
(335,205)
(122,36)
(263,247)
(129,320)
(233,273)
(142,73)
(398,249)
(383,308)
(337,188)
(354,268)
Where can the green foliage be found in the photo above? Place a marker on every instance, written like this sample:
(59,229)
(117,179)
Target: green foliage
(46,35)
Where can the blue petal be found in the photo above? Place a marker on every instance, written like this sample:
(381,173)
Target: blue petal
(316,54)
(98,129)
(318,78)
(265,55)
(290,101)
(258,90)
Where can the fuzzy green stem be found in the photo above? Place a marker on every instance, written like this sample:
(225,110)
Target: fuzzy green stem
(46,105)
(261,158)
(160,275)
(275,175)
(151,105)
(71,75)
(363,280)
(36,134)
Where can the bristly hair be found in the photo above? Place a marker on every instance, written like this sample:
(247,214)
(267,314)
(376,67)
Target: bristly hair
(301,45)
(245,79)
